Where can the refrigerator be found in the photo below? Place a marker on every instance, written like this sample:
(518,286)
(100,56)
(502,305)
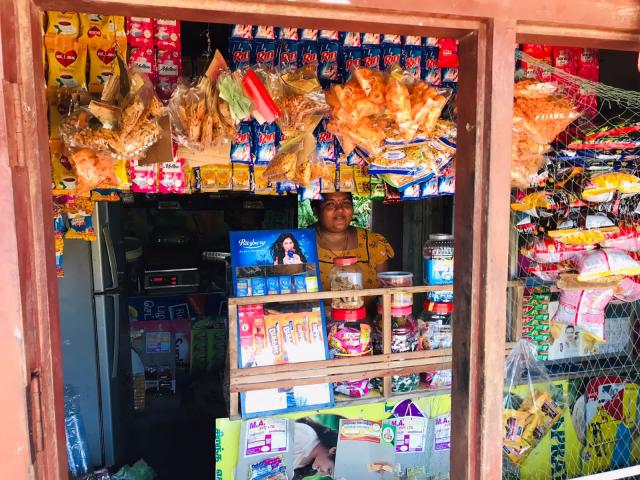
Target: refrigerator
(96,350)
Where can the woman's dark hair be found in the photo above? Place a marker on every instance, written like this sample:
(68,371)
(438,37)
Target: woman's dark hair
(317,204)
(328,439)
(277,249)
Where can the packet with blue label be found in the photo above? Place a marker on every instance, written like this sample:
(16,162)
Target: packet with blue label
(431,72)
(413,40)
(412,60)
(328,53)
(371,50)
(240,46)
(241,145)
(288,33)
(307,53)
(325,142)
(430,188)
(351,57)
(411,193)
(287,54)
(391,51)
(264,142)
(264,46)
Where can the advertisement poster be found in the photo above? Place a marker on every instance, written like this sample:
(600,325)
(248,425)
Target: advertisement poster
(277,262)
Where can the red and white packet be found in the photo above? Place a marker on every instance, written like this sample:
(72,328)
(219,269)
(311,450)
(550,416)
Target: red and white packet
(143,177)
(172,177)
(169,72)
(167,34)
(144,59)
(140,31)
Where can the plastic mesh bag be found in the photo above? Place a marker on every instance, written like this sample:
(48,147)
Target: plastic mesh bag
(532,405)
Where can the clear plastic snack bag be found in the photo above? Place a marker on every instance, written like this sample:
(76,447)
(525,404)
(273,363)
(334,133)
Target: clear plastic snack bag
(77,449)
(532,405)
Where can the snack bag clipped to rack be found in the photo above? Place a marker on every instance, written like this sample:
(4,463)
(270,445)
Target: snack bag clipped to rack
(532,405)
(79,212)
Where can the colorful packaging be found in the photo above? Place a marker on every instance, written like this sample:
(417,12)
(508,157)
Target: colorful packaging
(258,286)
(140,32)
(143,177)
(329,35)
(564,58)
(449,75)
(350,40)
(286,285)
(102,60)
(241,145)
(362,181)
(539,52)
(448,53)
(241,177)
(288,33)
(261,184)
(167,34)
(391,54)
(215,177)
(67,59)
(308,35)
(273,286)
(144,59)
(308,53)
(59,254)
(431,73)
(300,283)
(242,31)
(169,72)
(62,175)
(264,53)
(328,61)
(350,59)
(96,26)
(325,142)
(287,54)
(447,184)
(239,53)
(603,263)
(264,142)
(429,188)
(412,59)
(63,23)
(371,51)
(346,179)
(371,39)
(264,32)
(430,41)
(171,177)
(391,39)
(79,214)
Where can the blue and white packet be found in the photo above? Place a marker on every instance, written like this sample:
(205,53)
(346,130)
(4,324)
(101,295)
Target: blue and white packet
(308,47)
(413,40)
(430,188)
(242,31)
(412,193)
(391,51)
(240,53)
(351,59)
(449,75)
(433,76)
(325,142)
(329,35)
(412,60)
(288,33)
(264,32)
(350,39)
(312,192)
(430,41)
(308,35)
(328,62)
(264,142)
(447,185)
(241,145)
(287,54)
(264,53)
(371,50)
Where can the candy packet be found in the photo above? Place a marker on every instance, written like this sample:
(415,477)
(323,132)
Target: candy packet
(140,32)
(605,262)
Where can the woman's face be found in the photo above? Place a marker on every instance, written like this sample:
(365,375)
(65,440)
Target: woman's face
(336,212)
(324,462)
(287,244)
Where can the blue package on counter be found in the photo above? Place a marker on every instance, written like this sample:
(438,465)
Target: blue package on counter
(391,55)
(288,33)
(264,32)
(287,54)
(239,53)
(325,142)
(412,60)
(351,59)
(300,283)
(371,56)
(242,31)
(449,75)
(355,158)
(414,40)
(328,62)
(264,53)
(264,142)
(285,284)
(308,53)
(258,286)
(308,34)
(273,286)
(241,145)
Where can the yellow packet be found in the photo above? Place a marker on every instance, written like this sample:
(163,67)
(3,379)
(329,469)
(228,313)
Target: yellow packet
(261,185)
(63,23)
(103,61)
(347,180)
(273,332)
(105,196)
(67,57)
(241,177)
(362,181)
(63,177)
(215,177)
(59,104)
(328,178)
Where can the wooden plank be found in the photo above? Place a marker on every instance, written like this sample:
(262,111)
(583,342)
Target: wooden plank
(535,32)
(386,339)
(481,224)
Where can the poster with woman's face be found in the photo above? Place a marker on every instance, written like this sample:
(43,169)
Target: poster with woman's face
(273,247)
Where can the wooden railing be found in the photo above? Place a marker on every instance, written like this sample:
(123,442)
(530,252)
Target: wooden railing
(384,365)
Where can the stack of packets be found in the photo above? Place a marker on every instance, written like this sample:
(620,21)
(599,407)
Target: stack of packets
(155,49)
(535,319)
(527,422)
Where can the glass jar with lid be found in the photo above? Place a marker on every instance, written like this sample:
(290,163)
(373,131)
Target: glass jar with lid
(435,325)
(438,259)
(346,275)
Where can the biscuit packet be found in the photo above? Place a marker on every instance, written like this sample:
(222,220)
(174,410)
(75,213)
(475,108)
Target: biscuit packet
(532,403)
(67,60)
(102,60)
(63,23)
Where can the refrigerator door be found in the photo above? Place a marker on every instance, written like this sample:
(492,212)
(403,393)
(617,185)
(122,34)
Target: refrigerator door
(108,252)
(114,367)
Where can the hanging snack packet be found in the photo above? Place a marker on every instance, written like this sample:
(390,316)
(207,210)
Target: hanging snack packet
(94,25)
(144,59)
(308,49)
(628,290)
(241,177)
(549,272)
(583,303)
(264,142)
(237,103)
(167,34)
(605,262)
(326,142)
(67,60)
(588,230)
(215,178)
(346,178)
(79,213)
(102,60)
(169,72)
(241,146)
(63,23)
(600,187)
(143,177)
(92,170)
(328,52)
(371,51)
(546,250)
(447,53)
(140,32)
(626,239)
(261,184)
(62,175)
(412,58)
(391,51)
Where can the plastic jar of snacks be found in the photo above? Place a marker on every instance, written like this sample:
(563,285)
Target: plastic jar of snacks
(398,280)
(438,259)
(346,275)
(435,325)
(350,336)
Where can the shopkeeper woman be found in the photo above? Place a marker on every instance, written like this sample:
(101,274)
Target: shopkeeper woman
(337,238)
